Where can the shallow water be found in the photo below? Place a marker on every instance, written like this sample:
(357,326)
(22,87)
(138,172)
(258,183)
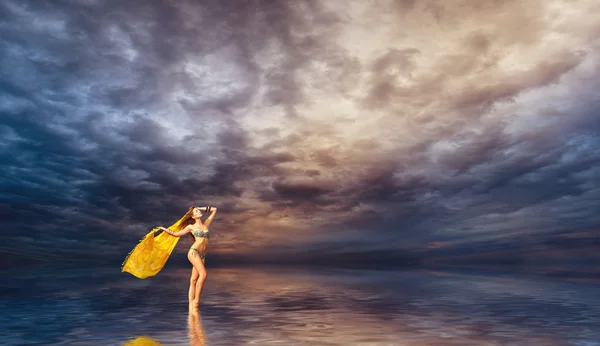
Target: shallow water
(296,306)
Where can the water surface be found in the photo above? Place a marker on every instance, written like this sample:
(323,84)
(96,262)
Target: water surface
(296,306)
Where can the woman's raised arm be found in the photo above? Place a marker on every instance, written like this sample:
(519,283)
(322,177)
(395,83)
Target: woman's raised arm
(213,211)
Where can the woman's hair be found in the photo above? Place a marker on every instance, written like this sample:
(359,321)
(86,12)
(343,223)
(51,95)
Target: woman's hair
(188,220)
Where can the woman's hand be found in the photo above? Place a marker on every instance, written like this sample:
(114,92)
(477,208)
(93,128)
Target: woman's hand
(161,228)
(166,230)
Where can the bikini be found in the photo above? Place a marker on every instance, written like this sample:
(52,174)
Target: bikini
(200,234)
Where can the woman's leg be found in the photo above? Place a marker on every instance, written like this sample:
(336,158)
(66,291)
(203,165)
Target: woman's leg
(198,264)
(193,280)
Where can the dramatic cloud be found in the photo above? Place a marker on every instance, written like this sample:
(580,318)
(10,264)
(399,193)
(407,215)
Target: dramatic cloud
(315,127)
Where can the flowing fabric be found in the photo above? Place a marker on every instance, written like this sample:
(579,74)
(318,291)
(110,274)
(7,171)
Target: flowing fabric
(151,253)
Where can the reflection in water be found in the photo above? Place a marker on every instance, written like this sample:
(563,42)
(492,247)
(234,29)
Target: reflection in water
(195,330)
(196,334)
(142,341)
(243,306)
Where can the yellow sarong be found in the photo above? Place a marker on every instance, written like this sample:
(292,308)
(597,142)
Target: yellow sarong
(151,253)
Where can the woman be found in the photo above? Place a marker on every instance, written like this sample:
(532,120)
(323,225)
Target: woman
(198,230)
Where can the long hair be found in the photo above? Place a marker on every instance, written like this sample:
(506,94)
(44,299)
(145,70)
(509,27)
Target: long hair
(188,220)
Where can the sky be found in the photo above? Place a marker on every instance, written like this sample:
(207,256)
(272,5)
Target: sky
(317,128)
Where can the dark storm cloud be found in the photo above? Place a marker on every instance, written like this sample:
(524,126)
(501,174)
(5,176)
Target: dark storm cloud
(85,151)
(345,124)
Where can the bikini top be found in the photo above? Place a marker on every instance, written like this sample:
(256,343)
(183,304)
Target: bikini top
(201,234)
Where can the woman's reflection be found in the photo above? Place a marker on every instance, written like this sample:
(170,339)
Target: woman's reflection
(196,331)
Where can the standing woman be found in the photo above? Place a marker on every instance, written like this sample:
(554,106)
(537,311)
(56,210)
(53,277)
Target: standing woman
(198,230)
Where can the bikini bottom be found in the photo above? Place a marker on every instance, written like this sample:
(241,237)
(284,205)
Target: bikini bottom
(203,256)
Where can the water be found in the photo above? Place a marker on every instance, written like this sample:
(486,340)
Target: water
(299,306)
